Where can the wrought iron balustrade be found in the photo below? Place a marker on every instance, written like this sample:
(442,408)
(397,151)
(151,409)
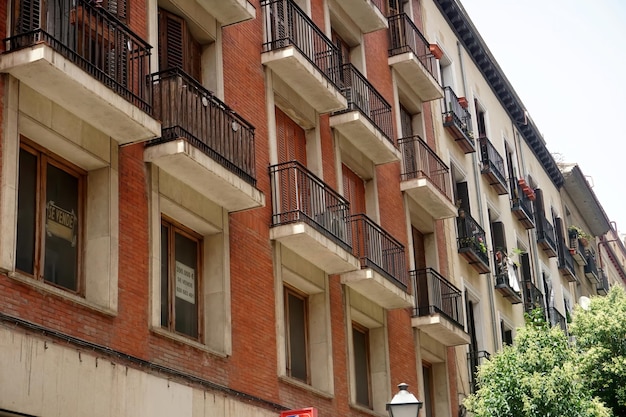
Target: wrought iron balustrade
(404,37)
(470,236)
(521,204)
(545,232)
(492,161)
(300,196)
(533,297)
(557,319)
(362,96)
(455,113)
(287,25)
(475,358)
(90,37)
(377,249)
(603,283)
(436,295)
(420,161)
(188,110)
(591,269)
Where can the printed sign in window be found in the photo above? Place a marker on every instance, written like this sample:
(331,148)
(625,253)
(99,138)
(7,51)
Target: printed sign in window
(185,283)
(61,223)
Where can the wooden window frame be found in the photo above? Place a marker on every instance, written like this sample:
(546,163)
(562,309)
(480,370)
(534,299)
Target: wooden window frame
(366,332)
(175,227)
(290,291)
(45,157)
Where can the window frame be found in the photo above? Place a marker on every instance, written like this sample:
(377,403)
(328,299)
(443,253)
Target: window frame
(291,291)
(176,227)
(45,157)
(356,327)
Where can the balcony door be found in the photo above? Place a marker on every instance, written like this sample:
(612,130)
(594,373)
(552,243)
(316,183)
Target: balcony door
(177,47)
(353,190)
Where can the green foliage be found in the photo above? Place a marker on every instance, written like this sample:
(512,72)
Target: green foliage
(601,339)
(536,376)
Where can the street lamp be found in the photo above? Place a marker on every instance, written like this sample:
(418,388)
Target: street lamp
(404,404)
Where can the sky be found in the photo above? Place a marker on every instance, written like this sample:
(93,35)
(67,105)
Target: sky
(566,59)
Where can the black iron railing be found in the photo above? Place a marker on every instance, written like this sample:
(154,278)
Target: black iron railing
(603,283)
(471,236)
(533,297)
(91,38)
(557,319)
(492,160)
(545,231)
(436,295)
(475,359)
(404,37)
(420,161)
(378,250)
(455,113)
(188,110)
(362,96)
(566,261)
(591,269)
(287,25)
(519,199)
(300,196)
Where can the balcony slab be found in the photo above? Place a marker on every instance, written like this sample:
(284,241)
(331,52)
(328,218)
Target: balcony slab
(429,197)
(441,329)
(305,79)
(377,288)
(58,79)
(193,167)
(229,11)
(315,247)
(365,136)
(365,14)
(423,84)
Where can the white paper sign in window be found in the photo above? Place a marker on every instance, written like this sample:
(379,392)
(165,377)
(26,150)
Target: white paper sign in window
(185,283)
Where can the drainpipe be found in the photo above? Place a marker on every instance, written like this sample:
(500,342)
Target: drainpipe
(490,282)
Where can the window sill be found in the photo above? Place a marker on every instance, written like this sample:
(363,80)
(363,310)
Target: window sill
(182,339)
(366,410)
(76,299)
(300,384)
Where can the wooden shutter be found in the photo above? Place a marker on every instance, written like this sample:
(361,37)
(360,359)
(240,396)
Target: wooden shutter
(177,48)
(499,237)
(117,8)
(524,260)
(462,194)
(353,190)
(560,239)
(291,139)
(419,251)
(27,14)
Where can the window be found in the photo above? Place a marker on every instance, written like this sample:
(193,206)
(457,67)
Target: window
(296,311)
(180,257)
(360,341)
(506,333)
(50,214)
(177,47)
(189,251)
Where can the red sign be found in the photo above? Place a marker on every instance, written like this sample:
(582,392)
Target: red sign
(304,412)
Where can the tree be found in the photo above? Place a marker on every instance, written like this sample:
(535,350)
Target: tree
(536,376)
(600,332)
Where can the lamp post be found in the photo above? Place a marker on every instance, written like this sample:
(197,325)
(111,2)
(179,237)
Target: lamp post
(404,404)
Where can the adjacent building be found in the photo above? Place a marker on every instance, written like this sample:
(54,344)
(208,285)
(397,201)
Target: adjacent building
(240,207)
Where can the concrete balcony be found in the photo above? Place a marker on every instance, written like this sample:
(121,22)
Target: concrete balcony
(457,121)
(439,308)
(492,166)
(311,219)
(204,143)
(367,14)
(383,277)
(426,178)
(471,243)
(302,56)
(228,12)
(367,122)
(104,85)
(410,57)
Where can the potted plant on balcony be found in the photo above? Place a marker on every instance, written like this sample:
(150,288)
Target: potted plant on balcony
(576,233)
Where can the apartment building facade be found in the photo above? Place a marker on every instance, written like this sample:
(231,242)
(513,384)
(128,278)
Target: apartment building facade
(232,207)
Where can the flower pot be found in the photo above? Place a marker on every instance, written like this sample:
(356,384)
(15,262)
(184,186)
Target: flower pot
(436,51)
(463,102)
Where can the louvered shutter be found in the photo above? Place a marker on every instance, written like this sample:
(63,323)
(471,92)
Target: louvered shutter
(117,8)
(353,190)
(177,48)
(28,16)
